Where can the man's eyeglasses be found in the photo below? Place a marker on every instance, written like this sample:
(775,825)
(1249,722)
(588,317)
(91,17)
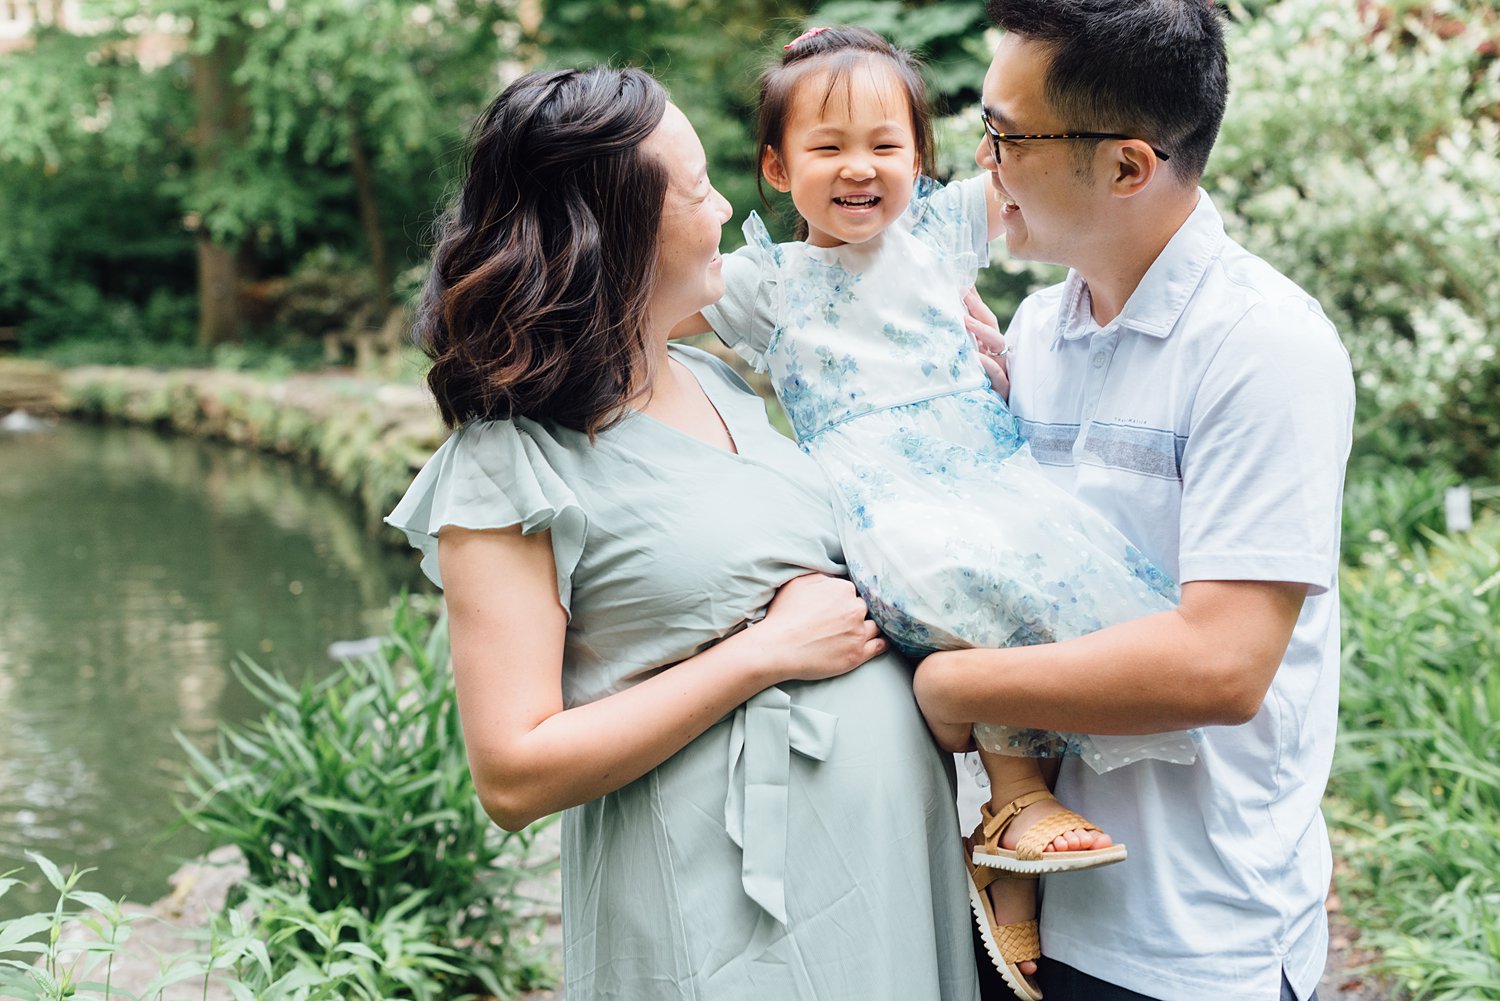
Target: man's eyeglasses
(997,137)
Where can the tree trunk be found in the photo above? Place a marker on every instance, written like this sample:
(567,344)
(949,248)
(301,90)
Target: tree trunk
(369,211)
(220,123)
(218,292)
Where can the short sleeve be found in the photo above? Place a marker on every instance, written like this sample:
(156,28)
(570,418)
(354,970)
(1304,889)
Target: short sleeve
(954,218)
(492,474)
(745,317)
(1263,467)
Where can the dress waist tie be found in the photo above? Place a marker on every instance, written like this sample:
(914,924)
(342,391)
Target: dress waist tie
(765,731)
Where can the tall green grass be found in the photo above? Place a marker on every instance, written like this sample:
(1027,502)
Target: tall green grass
(1417,777)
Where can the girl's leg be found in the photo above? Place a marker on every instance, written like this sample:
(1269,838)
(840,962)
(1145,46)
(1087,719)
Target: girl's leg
(1011,777)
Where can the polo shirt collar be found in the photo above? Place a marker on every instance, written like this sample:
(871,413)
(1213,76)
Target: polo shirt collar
(1164,291)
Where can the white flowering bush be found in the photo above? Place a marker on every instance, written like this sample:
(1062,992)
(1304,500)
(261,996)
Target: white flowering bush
(1361,156)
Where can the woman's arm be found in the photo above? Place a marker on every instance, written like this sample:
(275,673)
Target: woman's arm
(528,755)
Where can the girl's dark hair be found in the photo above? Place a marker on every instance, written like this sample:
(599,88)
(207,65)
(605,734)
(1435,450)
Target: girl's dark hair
(837,52)
(536,305)
(1156,69)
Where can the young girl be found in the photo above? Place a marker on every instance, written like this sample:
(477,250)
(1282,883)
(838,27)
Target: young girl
(951,531)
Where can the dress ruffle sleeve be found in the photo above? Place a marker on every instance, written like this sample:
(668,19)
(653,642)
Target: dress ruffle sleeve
(745,318)
(492,474)
(955,218)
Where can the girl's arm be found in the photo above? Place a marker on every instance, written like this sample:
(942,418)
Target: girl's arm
(692,326)
(528,755)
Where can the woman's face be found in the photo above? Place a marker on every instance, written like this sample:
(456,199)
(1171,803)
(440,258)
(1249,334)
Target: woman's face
(690,274)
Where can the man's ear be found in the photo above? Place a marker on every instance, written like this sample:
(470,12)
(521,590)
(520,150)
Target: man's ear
(1133,168)
(774,171)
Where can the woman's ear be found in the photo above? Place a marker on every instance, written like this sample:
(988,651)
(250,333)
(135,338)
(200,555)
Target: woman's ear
(774,170)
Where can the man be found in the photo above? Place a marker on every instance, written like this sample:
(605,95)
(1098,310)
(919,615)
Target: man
(1203,403)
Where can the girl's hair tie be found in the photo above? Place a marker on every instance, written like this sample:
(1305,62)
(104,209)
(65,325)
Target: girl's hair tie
(809,33)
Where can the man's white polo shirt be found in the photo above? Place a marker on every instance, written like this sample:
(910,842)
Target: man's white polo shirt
(1211,423)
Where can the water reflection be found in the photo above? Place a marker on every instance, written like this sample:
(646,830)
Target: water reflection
(133,568)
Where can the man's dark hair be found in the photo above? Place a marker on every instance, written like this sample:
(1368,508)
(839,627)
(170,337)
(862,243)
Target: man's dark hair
(1149,68)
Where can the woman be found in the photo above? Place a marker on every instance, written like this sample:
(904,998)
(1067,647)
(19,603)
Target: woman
(747,814)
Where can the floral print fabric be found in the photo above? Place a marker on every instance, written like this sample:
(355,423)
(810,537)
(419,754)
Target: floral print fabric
(951,531)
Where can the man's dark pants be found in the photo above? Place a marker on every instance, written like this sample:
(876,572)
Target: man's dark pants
(1060,982)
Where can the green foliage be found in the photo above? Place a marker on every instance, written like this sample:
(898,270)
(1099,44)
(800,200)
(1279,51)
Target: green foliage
(1361,156)
(949,35)
(373,871)
(346,116)
(38,962)
(327,293)
(274,947)
(708,54)
(1420,722)
(356,791)
(1393,506)
(290,949)
(269,359)
(90,249)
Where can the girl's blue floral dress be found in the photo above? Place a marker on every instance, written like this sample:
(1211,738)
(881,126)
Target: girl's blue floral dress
(952,532)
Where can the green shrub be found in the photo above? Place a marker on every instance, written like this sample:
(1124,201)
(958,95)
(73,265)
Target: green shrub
(1393,508)
(374,873)
(1361,155)
(353,796)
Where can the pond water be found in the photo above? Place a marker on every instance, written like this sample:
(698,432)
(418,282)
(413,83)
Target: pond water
(134,568)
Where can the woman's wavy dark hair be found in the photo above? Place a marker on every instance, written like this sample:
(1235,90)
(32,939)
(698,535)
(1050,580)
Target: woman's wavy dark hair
(536,305)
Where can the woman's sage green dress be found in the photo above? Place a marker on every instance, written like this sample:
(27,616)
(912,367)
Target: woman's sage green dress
(804,848)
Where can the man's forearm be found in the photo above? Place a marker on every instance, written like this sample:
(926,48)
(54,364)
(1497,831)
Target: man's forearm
(1209,661)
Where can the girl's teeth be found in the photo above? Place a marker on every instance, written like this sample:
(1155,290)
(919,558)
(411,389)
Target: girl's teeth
(857,202)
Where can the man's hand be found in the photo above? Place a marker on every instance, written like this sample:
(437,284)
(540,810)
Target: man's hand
(985,329)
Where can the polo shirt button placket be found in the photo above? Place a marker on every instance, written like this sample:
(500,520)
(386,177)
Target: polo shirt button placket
(1101,350)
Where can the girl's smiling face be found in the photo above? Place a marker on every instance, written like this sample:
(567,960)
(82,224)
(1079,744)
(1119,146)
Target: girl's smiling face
(848,154)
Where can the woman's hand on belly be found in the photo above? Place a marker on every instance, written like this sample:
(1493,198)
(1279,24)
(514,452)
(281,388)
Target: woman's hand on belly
(530,756)
(816,627)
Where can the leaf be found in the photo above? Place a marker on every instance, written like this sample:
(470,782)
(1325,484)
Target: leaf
(20,929)
(358,949)
(49,871)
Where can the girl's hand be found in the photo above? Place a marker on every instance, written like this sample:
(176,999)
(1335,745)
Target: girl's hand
(984,327)
(817,627)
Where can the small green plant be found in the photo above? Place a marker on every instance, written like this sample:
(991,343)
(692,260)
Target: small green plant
(352,797)
(64,953)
